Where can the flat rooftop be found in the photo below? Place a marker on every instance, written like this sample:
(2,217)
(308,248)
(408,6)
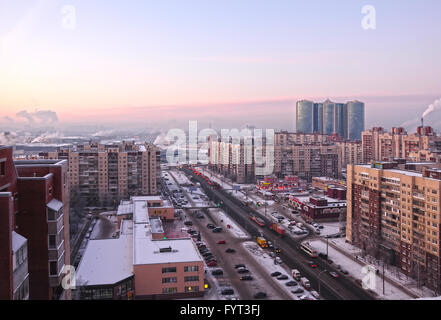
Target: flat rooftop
(147,251)
(106,262)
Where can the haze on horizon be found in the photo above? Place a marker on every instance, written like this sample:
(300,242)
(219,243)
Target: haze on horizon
(160,64)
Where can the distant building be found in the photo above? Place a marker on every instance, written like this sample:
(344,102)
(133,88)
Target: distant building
(346,120)
(105,173)
(319,208)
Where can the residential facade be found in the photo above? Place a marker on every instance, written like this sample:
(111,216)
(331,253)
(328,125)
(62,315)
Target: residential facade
(394,211)
(106,173)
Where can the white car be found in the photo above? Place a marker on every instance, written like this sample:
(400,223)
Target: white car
(315,294)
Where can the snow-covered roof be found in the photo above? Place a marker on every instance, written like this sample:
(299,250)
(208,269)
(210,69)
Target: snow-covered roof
(147,251)
(17,241)
(124,209)
(55,205)
(106,262)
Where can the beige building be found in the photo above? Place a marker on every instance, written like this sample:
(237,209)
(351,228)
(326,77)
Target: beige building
(351,152)
(304,155)
(394,213)
(378,145)
(106,173)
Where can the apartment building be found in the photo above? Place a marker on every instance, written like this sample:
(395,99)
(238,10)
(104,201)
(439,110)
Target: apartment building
(294,154)
(34,198)
(351,152)
(393,213)
(379,145)
(106,173)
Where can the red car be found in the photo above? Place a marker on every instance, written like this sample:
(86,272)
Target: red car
(312,264)
(212,263)
(221,242)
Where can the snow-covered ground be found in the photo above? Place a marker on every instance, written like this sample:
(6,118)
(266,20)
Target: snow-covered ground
(358,271)
(223,220)
(391,272)
(267,262)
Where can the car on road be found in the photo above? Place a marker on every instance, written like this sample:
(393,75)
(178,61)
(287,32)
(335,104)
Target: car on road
(211,226)
(291,283)
(315,294)
(246,278)
(260,295)
(217,272)
(334,274)
(230,250)
(217,230)
(221,242)
(282,277)
(298,290)
(240,265)
(243,270)
(188,223)
(275,274)
(212,263)
(200,216)
(304,297)
(323,255)
(344,271)
(312,264)
(227,291)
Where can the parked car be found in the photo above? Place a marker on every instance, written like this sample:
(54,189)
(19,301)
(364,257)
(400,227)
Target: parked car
(243,270)
(282,277)
(217,272)
(211,226)
(230,250)
(217,229)
(200,216)
(344,271)
(221,242)
(315,294)
(275,274)
(188,223)
(260,295)
(291,283)
(246,278)
(212,263)
(240,265)
(298,290)
(227,291)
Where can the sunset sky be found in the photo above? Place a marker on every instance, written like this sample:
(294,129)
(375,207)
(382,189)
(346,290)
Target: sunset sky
(215,61)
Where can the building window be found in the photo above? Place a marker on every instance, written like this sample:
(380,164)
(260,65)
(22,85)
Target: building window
(192,289)
(53,270)
(52,241)
(191,268)
(169,290)
(190,279)
(169,280)
(169,270)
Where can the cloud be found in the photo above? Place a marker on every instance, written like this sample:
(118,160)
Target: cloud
(43,117)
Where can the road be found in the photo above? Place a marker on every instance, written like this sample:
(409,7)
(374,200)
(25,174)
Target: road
(226,261)
(341,289)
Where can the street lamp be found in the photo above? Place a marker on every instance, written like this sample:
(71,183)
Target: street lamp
(319,281)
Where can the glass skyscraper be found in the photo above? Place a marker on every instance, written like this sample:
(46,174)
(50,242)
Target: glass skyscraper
(305,116)
(355,119)
(344,119)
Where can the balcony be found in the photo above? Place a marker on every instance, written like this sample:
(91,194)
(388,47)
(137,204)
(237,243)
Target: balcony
(56,253)
(55,226)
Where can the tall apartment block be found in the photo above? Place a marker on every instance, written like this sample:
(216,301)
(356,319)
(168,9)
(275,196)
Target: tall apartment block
(34,206)
(304,155)
(393,213)
(379,145)
(343,119)
(106,173)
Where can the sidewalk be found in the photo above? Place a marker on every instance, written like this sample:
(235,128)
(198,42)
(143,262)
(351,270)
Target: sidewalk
(397,279)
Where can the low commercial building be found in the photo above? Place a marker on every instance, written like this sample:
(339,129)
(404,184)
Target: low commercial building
(145,263)
(320,208)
